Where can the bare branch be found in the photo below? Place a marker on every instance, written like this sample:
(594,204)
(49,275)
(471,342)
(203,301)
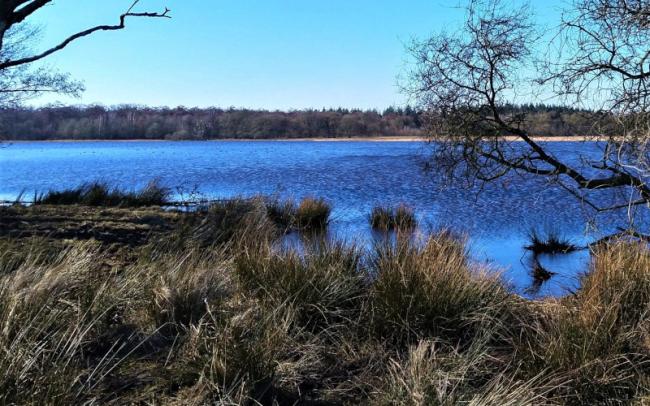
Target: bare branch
(70,39)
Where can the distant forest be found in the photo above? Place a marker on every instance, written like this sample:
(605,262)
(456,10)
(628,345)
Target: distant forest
(136,122)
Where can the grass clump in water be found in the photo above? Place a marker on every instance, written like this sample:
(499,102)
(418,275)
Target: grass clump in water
(552,243)
(313,214)
(401,218)
(382,218)
(281,212)
(405,218)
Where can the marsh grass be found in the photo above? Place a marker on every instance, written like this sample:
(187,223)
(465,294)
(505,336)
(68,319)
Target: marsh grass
(313,214)
(432,291)
(323,284)
(401,218)
(539,272)
(552,243)
(382,218)
(228,318)
(101,194)
(597,339)
(281,212)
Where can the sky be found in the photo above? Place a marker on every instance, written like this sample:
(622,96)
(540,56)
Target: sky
(270,54)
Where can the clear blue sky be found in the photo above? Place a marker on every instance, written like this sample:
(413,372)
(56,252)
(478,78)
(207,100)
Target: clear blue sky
(274,54)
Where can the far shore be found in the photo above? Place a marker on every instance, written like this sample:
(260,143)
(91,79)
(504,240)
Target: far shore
(306,139)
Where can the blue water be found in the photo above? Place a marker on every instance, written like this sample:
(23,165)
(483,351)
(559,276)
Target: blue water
(353,176)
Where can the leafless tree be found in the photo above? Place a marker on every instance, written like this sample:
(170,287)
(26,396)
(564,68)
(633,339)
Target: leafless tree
(599,58)
(20,77)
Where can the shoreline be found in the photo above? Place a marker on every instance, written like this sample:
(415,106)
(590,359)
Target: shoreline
(304,139)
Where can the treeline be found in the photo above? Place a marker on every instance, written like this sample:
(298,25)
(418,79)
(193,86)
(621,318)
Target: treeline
(180,123)
(130,122)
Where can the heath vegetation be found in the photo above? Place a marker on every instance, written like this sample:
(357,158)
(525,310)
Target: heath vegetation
(207,307)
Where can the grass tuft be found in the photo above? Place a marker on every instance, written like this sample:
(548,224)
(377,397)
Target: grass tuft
(313,214)
(430,290)
(550,244)
(100,194)
(405,218)
(401,218)
(322,285)
(382,218)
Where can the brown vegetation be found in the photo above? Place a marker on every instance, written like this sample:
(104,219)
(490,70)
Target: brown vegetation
(131,122)
(207,309)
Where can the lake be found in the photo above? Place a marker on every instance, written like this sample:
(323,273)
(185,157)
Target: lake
(353,176)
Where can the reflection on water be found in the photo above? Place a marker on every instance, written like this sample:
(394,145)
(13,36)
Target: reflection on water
(353,176)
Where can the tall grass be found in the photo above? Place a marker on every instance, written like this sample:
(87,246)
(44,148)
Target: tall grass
(323,284)
(597,340)
(401,218)
(313,214)
(229,318)
(100,194)
(432,291)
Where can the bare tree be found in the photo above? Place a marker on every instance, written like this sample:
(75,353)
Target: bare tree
(20,78)
(599,56)
(25,82)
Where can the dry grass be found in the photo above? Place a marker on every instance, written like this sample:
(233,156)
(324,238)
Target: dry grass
(401,218)
(313,214)
(216,313)
(101,194)
(432,291)
(382,218)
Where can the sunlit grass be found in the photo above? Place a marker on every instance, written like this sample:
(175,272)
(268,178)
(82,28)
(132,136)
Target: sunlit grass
(401,218)
(101,194)
(313,214)
(215,311)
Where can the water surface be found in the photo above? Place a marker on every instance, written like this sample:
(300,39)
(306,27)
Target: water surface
(353,176)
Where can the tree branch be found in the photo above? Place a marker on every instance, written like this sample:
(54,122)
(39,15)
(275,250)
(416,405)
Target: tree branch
(70,39)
